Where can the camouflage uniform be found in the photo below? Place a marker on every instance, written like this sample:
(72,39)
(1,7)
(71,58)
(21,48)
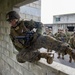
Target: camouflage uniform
(61,37)
(72,44)
(20,30)
(67,35)
(27,52)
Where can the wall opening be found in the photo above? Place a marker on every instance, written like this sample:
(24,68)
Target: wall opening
(70,28)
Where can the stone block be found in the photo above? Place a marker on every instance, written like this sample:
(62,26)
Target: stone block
(7,66)
(18,68)
(10,62)
(36,69)
(6,52)
(27,72)
(14,72)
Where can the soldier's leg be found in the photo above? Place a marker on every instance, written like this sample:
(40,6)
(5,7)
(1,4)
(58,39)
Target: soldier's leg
(20,56)
(49,50)
(47,42)
(53,44)
(33,56)
(62,55)
(47,57)
(58,55)
(25,55)
(70,59)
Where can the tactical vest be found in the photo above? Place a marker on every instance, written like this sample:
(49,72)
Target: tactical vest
(24,26)
(17,31)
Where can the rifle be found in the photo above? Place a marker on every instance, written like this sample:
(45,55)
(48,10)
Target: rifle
(27,38)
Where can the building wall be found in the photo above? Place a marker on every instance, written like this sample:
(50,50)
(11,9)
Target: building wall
(67,18)
(31,11)
(63,22)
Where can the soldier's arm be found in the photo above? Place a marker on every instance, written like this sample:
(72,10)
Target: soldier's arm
(33,24)
(39,26)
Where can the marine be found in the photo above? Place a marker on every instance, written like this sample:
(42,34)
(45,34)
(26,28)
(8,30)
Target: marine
(61,36)
(72,44)
(68,35)
(31,40)
(32,30)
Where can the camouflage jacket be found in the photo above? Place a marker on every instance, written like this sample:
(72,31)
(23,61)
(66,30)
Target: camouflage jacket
(72,42)
(61,36)
(23,26)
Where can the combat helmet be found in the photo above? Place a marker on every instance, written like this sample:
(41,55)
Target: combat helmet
(12,15)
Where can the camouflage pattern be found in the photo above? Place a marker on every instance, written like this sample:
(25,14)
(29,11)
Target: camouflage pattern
(68,35)
(29,52)
(49,31)
(20,30)
(48,43)
(61,37)
(25,50)
(72,42)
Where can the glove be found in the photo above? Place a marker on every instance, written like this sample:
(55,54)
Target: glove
(34,30)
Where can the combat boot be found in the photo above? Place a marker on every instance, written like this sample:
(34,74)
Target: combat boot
(70,59)
(47,56)
(58,55)
(20,58)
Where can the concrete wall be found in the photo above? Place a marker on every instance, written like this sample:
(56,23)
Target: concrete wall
(31,11)
(67,18)
(9,65)
(63,21)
